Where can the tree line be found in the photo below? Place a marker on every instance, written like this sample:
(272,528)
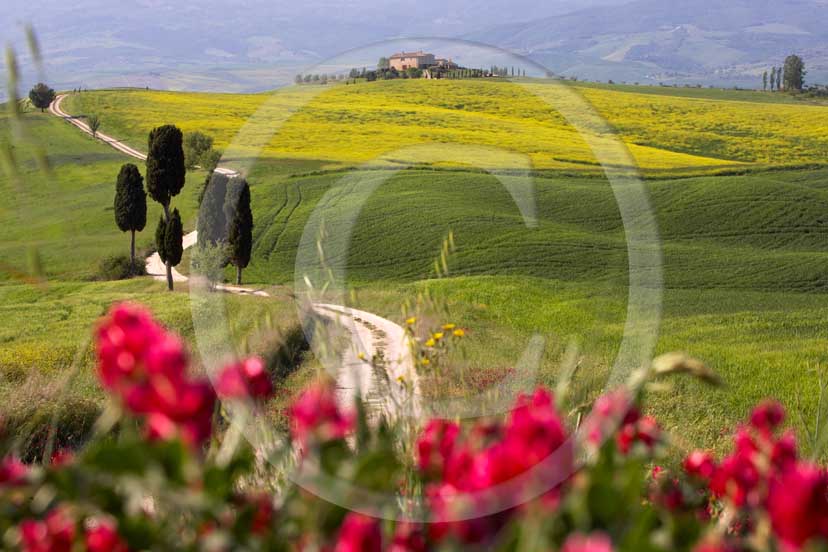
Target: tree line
(166,170)
(790,77)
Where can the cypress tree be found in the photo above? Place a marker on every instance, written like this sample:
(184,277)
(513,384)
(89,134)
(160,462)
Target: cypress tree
(173,248)
(130,204)
(794,73)
(240,231)
(160,240)
(212,224)
(165,172)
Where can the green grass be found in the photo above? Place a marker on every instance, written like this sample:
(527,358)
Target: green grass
(67,216)
(745,256)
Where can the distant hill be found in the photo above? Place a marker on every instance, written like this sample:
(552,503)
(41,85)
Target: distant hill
(710,41)
(233,45)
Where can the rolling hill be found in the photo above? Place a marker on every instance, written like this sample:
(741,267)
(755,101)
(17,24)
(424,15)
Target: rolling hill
(740,210)
(677,41)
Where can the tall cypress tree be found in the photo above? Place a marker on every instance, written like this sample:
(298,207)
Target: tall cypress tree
(240,231)
(130,204)
(166,173)
(773,78)
(173,247)
(794,73)
(160,240)
(212,224)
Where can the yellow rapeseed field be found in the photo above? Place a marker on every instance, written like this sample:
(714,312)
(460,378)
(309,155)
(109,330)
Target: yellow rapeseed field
(513,125)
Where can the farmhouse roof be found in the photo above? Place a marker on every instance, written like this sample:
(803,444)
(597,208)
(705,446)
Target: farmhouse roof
(401,55)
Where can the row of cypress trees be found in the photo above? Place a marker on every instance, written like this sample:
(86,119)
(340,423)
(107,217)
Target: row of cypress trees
(229,222)
(225,217)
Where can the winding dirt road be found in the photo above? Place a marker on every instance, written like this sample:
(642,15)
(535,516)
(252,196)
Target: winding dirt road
(377,343)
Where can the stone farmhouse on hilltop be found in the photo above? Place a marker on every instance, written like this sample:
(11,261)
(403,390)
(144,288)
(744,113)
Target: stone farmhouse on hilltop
(418,60)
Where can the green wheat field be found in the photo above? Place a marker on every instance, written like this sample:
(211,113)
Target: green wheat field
(737,181)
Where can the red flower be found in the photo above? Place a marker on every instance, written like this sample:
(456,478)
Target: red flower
(436,445)
(609,413)
(263,514)
(594,542)
(102,536)
(53,534)
(359,533)
(798,505)
(145,366)
(13,472)
(784,453)
(316,416)
(131,345)
(533,433)
(644,433)
(738,479)
(768,416)
(246,379)
(408,537)
(700,464)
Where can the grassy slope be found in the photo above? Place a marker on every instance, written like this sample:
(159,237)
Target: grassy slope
(67,219)
(738,250)
(67,216)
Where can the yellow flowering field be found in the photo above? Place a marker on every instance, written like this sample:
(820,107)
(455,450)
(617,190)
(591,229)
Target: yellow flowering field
(513,125)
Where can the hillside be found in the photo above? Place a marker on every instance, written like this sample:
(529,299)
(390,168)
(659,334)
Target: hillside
(745,256)
(678,41)
(372,122)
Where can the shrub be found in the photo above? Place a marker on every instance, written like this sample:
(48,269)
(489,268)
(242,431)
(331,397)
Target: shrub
(120,267)
(208,261)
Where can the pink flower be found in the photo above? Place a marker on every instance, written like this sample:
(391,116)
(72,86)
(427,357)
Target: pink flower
(13,472)
(53,534)
(768,416)
(700,464)
(316,416)
(102,536)
(359,533)
(594,542)
(798,505)
(246,379)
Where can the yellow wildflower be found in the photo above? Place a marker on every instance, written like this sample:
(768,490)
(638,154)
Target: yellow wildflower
(430,343)
(411,321)
(425,362)
(449,327)
(438,336)
(459,332)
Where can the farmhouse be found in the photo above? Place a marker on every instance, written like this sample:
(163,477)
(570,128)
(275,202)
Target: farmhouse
(418,60)
(405,60)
